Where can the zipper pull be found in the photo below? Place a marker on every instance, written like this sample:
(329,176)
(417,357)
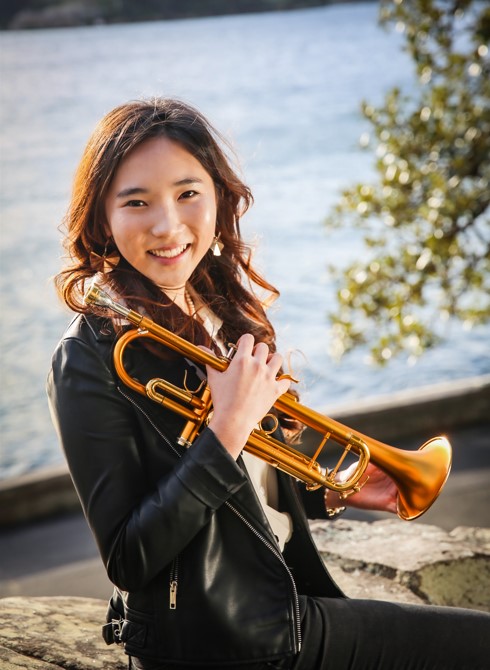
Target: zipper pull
(173,594)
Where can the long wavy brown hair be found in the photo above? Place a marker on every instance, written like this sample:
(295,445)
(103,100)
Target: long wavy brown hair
(226,284)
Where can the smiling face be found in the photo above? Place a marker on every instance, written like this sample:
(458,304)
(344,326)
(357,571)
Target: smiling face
(161,212)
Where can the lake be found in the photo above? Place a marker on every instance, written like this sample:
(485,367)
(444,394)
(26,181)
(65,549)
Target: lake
(285,88)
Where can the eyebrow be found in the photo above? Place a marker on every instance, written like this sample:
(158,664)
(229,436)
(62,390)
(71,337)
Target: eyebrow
(188,180)
(132,190)
(135,190)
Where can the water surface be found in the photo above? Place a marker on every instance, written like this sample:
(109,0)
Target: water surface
(286,89)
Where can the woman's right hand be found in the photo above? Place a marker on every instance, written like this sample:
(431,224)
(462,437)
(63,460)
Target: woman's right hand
(244,392)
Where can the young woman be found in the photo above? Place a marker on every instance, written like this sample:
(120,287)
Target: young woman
(208,548)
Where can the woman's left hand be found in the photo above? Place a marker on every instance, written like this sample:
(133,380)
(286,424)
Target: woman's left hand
(378,493)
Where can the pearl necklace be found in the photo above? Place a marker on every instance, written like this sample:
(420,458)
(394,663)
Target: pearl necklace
(190,304)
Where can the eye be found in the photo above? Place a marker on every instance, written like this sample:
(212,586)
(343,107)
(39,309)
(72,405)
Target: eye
(134,203)
(188,194)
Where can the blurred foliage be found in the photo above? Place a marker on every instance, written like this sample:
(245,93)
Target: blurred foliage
(426,219)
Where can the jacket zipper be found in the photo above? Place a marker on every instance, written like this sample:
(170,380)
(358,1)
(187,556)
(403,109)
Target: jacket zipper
(150,420)
(174,569)
(278,555)
(276,552)
(174,580)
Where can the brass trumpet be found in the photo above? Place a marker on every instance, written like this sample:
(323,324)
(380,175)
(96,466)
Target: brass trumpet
(419,475)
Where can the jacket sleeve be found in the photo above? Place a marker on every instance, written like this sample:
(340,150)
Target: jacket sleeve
(139,530)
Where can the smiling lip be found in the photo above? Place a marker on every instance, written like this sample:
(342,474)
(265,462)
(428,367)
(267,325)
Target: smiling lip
(169,254)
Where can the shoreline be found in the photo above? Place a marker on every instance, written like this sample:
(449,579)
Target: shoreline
(429,410)
(76,13)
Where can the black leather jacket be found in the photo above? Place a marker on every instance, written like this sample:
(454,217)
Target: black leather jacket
(198,573)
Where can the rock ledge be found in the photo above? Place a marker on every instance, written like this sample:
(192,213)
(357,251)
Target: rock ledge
(385,560)
(408,562)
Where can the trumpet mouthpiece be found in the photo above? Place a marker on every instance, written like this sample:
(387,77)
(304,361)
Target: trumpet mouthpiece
(96,296)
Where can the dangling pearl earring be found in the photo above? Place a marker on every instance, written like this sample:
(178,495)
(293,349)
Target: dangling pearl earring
(105,263)
(217,245)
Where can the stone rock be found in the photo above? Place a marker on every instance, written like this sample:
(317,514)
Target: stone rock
(412,560)
(357,583)
(388,560)
(55,633)
(11,660)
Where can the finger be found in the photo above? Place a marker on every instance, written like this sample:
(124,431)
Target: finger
(245,344)
(261,352)
(275,363)
(210,370)
(283,386)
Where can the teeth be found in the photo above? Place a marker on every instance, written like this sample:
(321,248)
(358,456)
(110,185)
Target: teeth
(168,253)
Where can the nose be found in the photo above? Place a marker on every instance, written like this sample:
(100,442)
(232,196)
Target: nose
(166,221)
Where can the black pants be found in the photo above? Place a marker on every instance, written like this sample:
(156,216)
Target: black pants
(345,634)
(348,634)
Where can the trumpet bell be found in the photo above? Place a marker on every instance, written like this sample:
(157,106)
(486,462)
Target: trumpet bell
(412,472)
